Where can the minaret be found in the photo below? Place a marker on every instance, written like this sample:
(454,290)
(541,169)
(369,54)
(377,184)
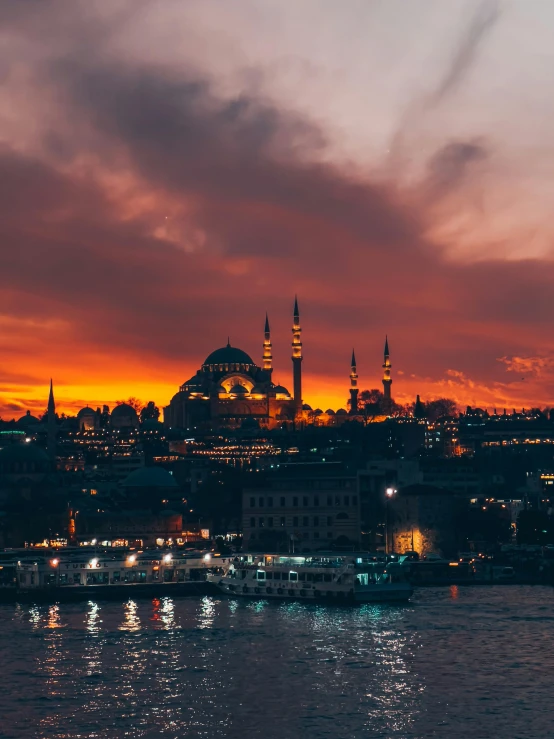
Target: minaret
(387,382)
(297,361)
(353,385)
(268,357)
(51,420)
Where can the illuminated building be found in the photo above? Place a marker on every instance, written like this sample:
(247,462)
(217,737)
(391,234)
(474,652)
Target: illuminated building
(387,381)
(231,389)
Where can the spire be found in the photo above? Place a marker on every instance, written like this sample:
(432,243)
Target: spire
(387,381)
(297,360)
(353,385)
(228,342)
(268,357)
(51,422)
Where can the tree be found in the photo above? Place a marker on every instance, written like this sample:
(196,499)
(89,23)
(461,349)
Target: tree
(150,412)
(441,407)
(373,403)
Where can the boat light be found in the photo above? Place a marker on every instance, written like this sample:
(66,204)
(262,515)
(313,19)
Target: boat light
(131,559)
(207,556)
(94,561)
(54,562)
(167,558)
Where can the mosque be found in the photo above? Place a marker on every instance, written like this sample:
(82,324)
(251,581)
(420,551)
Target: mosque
(231,390)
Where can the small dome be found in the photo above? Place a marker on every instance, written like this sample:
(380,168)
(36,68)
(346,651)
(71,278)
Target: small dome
(86,411)
(27,420)
(318,412)
(341,412)
(228,355)
(330,412)
(306,407)
(194,381)
(123,409)
(221,389)
(281,390)
(150,477)
(238,390)
(21,454)
(258,390)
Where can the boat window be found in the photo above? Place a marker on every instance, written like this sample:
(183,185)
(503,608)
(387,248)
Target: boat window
(168,575)
(261,575)
(293,576)
(310,576)
(181,575)
(276,575)
(327,578)
(116,576)
(318,577)
(269,575)
(284,575)
(77,578)
(302,576)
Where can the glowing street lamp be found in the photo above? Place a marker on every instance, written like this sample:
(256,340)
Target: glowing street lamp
(389,494)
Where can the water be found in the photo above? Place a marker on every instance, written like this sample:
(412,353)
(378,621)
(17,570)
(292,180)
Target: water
(458,662)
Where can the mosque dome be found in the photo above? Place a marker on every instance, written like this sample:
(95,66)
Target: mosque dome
(258,390)
(86,411)
(228,355)
(341,412)
(23,457)
(150,477)
(306,407)
(281,390)
(238,390)
(330,412)
(123,415)
(221,389)
(27,420)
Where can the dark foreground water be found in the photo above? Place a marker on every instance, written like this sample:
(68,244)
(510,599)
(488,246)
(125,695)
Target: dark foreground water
(473,662)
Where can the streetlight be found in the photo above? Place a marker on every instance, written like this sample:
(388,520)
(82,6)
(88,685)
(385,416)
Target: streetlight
(390,492)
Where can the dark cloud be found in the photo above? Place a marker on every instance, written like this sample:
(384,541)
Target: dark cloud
(481,24)
(449,165)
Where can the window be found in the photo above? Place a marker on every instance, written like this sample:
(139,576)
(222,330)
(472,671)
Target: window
(284,575)
(293,576)
(295,502)
(252,502)
(302,576)
(337,499)
(276,575)
(327,578)
(316,520)
(305,521)
(316,534)
(261,502)
(270,522)
(316,500)
(295,521)
(329,520)
(346,500)
(282,521)
(270,502)
(261,522)
(283,503)
(252,523)
(305,501)
(329,500)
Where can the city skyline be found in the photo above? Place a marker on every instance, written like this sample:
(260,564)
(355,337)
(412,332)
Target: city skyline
(160,197)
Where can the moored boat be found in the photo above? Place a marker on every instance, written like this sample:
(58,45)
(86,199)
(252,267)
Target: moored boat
(353,578)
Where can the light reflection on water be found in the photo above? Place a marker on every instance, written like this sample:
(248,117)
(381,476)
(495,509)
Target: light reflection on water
(455,663)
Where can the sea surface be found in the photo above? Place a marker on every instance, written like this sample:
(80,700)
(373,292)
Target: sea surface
(456,662)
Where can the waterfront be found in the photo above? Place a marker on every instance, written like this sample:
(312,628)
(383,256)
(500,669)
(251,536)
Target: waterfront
(456,662)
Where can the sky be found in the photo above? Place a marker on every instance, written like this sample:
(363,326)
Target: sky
(171,171)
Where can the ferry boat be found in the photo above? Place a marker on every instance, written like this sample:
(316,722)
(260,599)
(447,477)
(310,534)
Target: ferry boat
(78,573)
(354,578)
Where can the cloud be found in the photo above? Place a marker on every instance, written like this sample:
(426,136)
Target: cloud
(151,216)
(463,58)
